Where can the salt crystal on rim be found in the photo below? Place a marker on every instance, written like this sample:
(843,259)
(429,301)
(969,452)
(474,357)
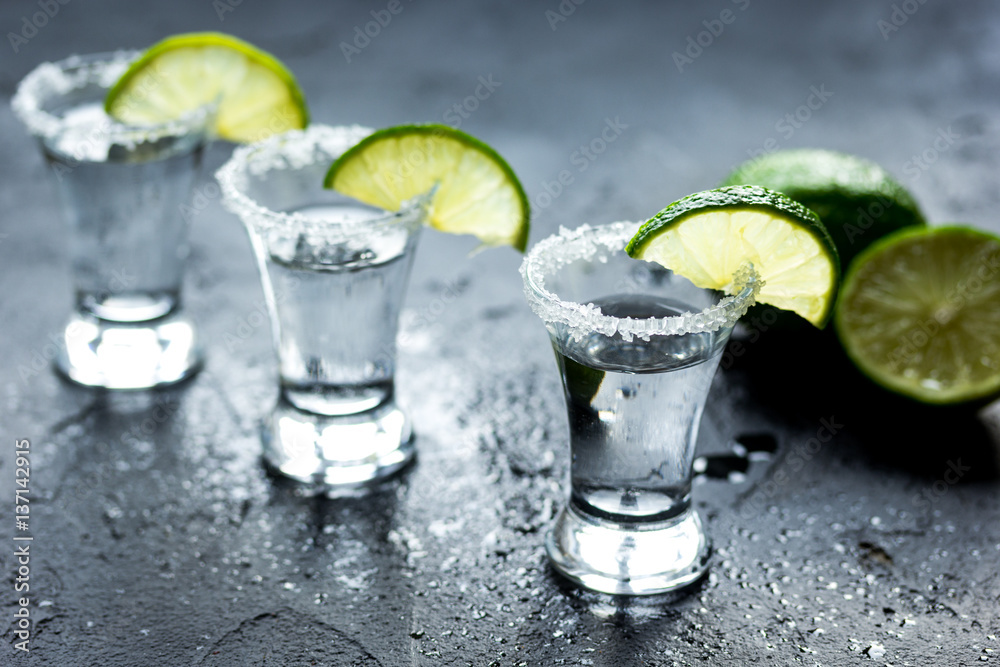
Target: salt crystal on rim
(588,243)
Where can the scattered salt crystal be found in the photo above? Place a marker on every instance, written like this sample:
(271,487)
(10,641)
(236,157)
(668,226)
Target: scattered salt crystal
(876,651)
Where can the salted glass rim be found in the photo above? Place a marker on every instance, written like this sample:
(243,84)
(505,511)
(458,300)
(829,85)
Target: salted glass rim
(595,243)
(49,80)
(296,149)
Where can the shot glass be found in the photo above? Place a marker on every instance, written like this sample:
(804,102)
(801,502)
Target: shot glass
(334,274)
(637,347)
(122,190)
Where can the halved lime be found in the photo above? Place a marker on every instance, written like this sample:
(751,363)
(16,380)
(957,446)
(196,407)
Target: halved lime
(477,191)
(707,236)
(857,200)
(256,94)
(919,313)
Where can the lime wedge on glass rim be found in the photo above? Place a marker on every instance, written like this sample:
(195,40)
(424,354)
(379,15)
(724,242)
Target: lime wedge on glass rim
(257,96)
(919,314)
(477,191)
(857,200)
(706,237)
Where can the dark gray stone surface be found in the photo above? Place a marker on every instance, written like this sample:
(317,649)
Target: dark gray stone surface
(159,541)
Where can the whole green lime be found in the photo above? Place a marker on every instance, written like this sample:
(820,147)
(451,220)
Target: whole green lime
(857,200)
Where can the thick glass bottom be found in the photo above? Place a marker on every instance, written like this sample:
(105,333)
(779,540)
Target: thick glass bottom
(629,559)
(337,454)
(129,307)
(129,355)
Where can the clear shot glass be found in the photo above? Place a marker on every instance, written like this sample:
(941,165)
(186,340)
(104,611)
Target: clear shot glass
(637,347)
(334,274)
(122,189)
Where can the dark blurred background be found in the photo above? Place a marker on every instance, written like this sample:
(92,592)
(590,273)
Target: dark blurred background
(687,113)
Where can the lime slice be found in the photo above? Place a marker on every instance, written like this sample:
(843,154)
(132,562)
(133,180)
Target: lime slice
(707,236)
(257,95)
(477,191)
(919,313)
(857,200)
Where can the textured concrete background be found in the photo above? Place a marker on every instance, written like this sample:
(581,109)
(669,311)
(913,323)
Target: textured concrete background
(159,541)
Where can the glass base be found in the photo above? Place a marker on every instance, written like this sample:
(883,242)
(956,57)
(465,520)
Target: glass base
(337,453)
(629,559)
(129,355)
